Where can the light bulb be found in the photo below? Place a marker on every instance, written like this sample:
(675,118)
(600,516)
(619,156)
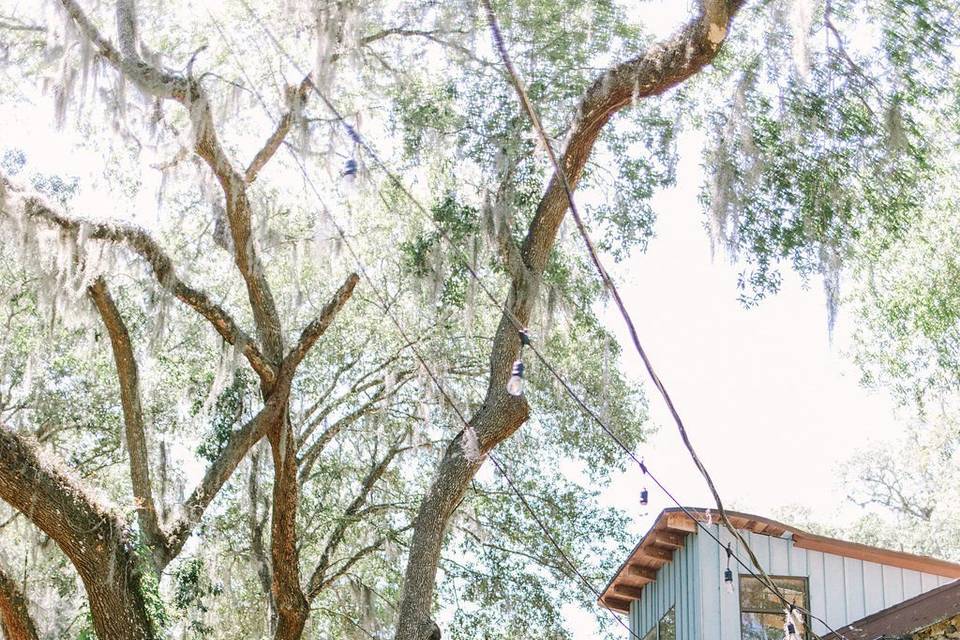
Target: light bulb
(789,628)
(350,171)
(728,580)
(515,383)
(644,496)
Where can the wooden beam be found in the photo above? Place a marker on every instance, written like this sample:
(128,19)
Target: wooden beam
(680,522)
(617,604)
(880,556)
(658,553)
(629,591)
(641,572)
(667,539)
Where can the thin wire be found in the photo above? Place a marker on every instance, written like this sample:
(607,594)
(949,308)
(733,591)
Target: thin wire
(608,282)
(556,545)
(450,401)
(361,143)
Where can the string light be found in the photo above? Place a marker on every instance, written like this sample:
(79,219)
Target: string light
(644,494)
(350,171)
(728,572)
(789,625)
(515,383)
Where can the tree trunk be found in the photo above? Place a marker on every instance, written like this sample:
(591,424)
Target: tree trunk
(661,67)
(292,605)
(15,620)
(94,539)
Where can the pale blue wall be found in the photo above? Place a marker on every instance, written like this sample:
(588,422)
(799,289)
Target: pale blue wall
(677,584)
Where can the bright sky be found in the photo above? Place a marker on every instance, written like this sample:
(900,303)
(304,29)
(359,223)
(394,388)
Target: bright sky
(772,406)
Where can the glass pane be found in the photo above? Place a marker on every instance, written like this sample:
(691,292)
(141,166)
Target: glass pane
(765,626)
(753,595)
(668,625)
(651,635)
(761,626)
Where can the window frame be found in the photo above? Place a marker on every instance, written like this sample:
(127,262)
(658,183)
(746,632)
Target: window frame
(655,629)
(805,605)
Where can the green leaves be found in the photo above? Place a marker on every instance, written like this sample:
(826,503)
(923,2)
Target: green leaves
(816,171)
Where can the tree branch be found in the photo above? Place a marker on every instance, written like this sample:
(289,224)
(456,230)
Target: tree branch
(298,95)
(256,525)
(140,242)
(309,457)
(219,471)
(343,569)
(312,332)
(129,378)
(349,517)
(94,539)
(661,67)
(188,91)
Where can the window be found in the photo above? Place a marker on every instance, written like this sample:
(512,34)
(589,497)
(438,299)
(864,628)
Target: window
(666,629)
(761,612)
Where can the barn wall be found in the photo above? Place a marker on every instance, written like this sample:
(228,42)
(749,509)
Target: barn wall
(677,584)
(842,590)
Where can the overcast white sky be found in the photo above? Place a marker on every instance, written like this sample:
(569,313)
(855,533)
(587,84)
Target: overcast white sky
(761,390)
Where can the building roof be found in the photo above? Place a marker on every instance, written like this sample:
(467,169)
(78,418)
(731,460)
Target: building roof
(903,619)
(672,526)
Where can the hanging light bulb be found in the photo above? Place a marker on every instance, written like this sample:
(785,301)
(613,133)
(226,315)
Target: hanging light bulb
(515,383)
(524,338)
(350,171)
(644,494)
(728,573)
(789,624)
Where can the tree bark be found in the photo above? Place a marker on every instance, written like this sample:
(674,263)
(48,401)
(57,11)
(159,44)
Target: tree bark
(662,66)
(95,540)
(15,620)
(129,378)
(292,605)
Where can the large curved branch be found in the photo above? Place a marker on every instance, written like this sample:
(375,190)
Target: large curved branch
(15,620)
(129,378)
(140,242)
(92,536)
(188,91)
(661,67)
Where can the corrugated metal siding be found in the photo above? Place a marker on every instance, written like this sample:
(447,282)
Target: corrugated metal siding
(677,584)
(842,590)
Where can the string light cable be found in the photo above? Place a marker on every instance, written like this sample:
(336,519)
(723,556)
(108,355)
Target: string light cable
(364,146)
(611,286)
